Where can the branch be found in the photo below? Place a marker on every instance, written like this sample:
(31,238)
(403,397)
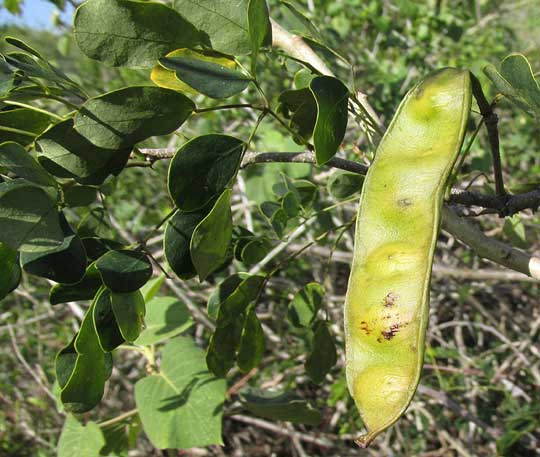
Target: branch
(504,205)
(489,248)
(302,157)
(250,158)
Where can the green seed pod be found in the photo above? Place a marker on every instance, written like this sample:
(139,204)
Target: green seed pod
(387,304)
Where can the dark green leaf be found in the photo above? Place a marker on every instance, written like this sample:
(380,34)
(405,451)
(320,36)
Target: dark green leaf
(300,108)
(131,33)
(67,154)
(165,317)
(124,271)
(323,355)
(516,81)
(208,78)
(129,310)
(224,23)
(255,250)
(79,196)
(252,343)
(342,184)
(221,351)
(174,403)
(211,238)
(259,28)
(83,290)
(22,125)
(19,162)
(82,369)
(177,241)
(81,440)
(65,264)
(332,98)
(122,118)
(239,298)
(28,217)
(202,168)
(222,291)
(96,247)
(282,407)
(279,222)
(95,224)
(106,327)
(10,271)
(305,305)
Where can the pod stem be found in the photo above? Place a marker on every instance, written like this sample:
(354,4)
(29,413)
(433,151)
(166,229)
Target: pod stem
(491,120)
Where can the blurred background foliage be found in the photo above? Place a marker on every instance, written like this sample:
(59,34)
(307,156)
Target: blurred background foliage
(482,358)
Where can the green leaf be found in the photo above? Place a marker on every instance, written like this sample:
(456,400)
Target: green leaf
(13,6)
(255,250)
(152,287)
(323,355)
(207,77)
(8,79)
(22,125)
(222,291)
(124,117)
(514,229)
(332,98)
(342,184)
(81,440)
(516,81)
(131,33)
(96,247)
(282,407)
(82,368)
(124,271)
(211,238)
(252,343)
(177,240)
(106,327)
(300,107)
(28,217)
(65,264)
(224,24)
(239,298)
(184,395)
(85,289)
(221,351)
(19,162)
(305,305)
(67,154)
(202,168)
(10,271)
(129,310)
(165,317)
(259,28)
(163,77)
(79,196)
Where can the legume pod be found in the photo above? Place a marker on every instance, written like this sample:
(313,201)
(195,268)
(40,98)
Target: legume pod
(387,303)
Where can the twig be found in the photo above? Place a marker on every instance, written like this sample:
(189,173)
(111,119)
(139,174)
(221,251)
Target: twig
(27,367)
(491,120)
(489,248)
(280,430)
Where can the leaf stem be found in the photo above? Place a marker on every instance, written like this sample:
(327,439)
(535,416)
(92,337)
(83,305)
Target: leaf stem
(119,418)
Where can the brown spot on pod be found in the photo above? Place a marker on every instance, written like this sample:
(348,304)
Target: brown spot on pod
(390,300)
